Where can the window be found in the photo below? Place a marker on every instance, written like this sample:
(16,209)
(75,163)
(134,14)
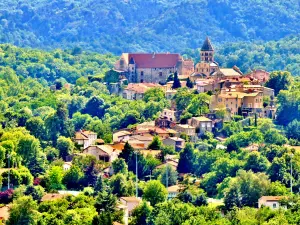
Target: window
(142,73)
(274,205)
(203,125)
(142,81)
(208,124)
(160,74)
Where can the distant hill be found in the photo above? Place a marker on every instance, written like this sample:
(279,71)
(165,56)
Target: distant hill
(138,25)
(283,54)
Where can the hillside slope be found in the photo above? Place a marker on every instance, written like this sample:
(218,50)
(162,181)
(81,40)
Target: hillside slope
(135,25)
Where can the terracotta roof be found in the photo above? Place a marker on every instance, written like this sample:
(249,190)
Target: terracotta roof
(80,136)
(207,46)
(229,72)
(174,188)
(52,196)
(145,137)
(141,87)
(131,199)
(271,198)
(153,60)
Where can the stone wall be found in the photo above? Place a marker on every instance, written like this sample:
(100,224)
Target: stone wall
(153,75)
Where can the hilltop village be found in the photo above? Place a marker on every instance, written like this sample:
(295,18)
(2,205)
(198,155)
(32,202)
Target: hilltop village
(146,139)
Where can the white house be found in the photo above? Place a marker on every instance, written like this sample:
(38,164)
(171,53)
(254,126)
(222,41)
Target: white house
(173,191)
(67,166)
(85,138)
(270,201)
(121,136)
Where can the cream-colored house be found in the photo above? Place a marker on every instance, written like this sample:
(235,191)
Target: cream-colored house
(105,153)
(270,201)
(185,128)
(131,203)
(121,136)
(85,138)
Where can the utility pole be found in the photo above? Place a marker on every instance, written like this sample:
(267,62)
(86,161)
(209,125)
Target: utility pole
(8,163)
(136,173)
(292,173)
(167,180)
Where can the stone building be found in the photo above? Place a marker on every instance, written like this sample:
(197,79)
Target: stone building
(207,64)
(153,68)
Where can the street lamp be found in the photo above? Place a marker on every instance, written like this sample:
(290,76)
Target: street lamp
(136,173)
(292,155)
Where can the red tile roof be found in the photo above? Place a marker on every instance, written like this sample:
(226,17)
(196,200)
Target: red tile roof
(271,198)
(154,60)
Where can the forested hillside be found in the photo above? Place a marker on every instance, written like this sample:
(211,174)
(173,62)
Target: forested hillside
(136,25)
(283,54)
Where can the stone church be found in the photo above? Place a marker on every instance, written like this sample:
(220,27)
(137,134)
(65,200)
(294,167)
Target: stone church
(152,67)
(207,65)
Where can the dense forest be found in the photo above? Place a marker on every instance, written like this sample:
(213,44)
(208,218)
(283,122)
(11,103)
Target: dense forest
(135,25)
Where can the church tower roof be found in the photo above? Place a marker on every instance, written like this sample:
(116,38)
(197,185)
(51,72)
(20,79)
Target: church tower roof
(131,61)
(207,46)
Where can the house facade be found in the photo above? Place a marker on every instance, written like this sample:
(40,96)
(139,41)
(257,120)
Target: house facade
(239,99)
(176,142)
(85,138)
(102,152)
(202,124)
(273,202)
(137,91)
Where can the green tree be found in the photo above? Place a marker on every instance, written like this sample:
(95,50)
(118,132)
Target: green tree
(72,177)
(154,94)
(36,192)
(189,83)
(176,82)
(155,192)
(156,143)
(120,186)
(105,202)
(280,80)
(120,166)
(293,130)
(168,174)
(36,127)
(141,214)
(186,160)
(95,107)
(183,98)
(55,175)
(246,189)
(65,147)
(199,105)
(256,162)
(23,212)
